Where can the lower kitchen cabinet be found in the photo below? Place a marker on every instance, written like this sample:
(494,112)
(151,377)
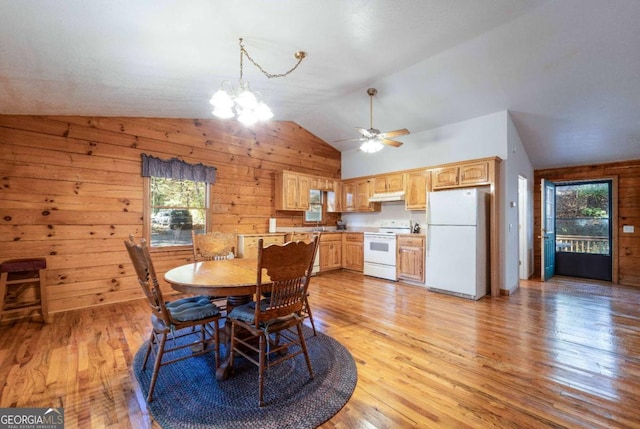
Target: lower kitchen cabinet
(330,251)
(353,251)
(411,257)
(248,243)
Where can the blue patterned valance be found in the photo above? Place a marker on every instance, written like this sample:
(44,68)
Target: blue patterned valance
(177,169)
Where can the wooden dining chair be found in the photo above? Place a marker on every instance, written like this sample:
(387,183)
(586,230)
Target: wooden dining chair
(274,323)
(194,319)
(213,245)
(306,310)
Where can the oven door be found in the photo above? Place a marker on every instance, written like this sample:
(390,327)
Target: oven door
(380,248)
(380,256)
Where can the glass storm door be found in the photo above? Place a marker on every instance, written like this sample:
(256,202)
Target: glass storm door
(548,233)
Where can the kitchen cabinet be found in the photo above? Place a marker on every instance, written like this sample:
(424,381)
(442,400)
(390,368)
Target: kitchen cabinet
(334,198)
(248,243)
(330,251)
(411,261)
(292,191)
(353,251)
(322,183)
(418,183)
(349,196)
(389,183)
(364,189)
(467,174)
(355,196)
(474,174)
(445,177)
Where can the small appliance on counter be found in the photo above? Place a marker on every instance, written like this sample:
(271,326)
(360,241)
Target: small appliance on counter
(341,225)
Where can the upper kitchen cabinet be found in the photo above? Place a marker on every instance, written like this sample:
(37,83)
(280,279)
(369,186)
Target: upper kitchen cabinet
(322,184)
(389,183)
(461,175)
(334,198)
(355,196)
(292,191)
(418,183)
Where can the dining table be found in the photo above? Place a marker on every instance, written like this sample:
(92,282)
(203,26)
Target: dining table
(233,279)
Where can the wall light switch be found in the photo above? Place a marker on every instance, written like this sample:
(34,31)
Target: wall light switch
(629,229)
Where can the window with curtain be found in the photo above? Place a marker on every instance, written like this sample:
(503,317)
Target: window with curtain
(177,200)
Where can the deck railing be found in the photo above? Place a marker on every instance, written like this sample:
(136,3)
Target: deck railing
(582,244)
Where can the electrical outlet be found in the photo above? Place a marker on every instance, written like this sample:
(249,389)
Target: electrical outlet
(629,229)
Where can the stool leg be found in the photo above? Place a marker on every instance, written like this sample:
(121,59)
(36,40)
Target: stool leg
(44,306)
(3,291)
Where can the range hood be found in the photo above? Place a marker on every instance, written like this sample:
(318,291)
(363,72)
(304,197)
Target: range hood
(387,196)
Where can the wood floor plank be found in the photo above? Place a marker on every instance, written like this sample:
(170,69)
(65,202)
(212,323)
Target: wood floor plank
(560,354)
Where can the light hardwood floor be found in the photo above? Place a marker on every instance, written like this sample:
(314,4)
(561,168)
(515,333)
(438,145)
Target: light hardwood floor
(565,353)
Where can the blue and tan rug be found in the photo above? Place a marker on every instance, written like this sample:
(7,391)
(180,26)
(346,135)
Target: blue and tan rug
(187,394)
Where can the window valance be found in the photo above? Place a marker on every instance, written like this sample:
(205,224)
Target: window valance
(175,168)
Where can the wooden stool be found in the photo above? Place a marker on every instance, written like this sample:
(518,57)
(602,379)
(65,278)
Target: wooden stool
(18,276)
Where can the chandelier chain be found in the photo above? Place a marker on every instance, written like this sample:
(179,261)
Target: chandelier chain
(299,55)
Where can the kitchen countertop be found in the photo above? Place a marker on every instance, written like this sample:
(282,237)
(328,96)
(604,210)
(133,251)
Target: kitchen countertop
(261,234)
(348,230)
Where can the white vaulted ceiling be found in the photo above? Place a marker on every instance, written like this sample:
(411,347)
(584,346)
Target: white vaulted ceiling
(568,71)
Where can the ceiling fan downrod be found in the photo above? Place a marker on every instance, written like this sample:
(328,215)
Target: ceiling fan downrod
(371,92)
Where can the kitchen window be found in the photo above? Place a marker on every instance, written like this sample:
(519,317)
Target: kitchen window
(315,214)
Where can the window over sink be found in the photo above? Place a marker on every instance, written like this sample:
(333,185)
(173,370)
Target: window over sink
(315,214)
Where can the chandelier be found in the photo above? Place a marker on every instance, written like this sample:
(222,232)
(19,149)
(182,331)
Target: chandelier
(241,102)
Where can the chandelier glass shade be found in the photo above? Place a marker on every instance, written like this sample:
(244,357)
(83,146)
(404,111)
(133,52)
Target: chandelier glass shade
(241,102)
(372,145)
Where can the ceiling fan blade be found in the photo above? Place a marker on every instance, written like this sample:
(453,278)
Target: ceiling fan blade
(349,140)
(391,142)
(395,133)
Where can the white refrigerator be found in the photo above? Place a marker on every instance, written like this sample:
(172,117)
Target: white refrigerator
(457,247)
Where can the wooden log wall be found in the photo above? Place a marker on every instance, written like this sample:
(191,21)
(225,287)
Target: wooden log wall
(628,210)
(71,191)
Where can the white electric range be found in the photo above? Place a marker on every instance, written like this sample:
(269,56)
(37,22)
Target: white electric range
(380,250)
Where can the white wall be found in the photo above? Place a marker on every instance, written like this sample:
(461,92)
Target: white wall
(471,139)
(516,164)
(482,137)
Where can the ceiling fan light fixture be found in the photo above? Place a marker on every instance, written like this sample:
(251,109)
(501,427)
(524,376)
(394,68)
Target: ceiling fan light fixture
(371,146)
(246,105)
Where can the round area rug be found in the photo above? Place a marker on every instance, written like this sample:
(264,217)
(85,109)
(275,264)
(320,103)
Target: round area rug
(187,394)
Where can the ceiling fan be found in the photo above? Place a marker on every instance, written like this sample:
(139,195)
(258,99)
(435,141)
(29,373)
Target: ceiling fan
(373,140)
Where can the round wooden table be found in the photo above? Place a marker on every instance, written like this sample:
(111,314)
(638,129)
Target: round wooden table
(234,279)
